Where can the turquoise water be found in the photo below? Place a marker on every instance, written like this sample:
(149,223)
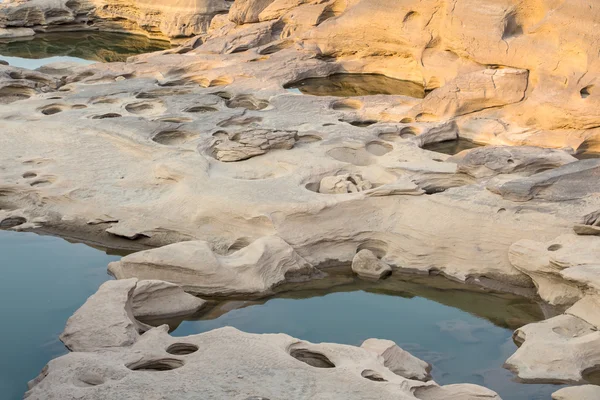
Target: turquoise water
(44,280)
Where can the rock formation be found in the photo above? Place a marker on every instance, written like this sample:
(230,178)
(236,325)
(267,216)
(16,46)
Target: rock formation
(269,365)
(210,151)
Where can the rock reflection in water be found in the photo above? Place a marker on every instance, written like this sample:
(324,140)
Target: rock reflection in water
(464,331)
(346,85)
(94,46)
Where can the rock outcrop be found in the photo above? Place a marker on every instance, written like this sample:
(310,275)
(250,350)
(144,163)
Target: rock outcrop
(254,269)
(172,368)
(108,318)
(366,265)
(177,19)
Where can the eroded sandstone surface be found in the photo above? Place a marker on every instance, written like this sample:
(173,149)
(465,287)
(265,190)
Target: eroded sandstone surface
(208,144)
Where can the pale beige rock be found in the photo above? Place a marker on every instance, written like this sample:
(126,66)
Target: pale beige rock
(108,318)
(274,366)
(584,392)
(561,349)
(398,360)
(366,265)
(158,300)
(524,160)
(105,320)
(255,269)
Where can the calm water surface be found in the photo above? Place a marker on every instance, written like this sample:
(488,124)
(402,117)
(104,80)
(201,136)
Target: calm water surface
(44,280)
(465,335)
(81,47)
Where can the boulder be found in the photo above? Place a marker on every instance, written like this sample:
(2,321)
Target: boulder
(399,361)
(157,300)
(584,392)
(562,349)
(366,265)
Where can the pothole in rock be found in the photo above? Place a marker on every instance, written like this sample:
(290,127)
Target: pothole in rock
(52,109)
(372,376)
(347,85)
(360,123)
(10,94)
(163,364)
(346,105)
(451,147)
(182,349)
(312,358)
(12,222)
(379,148)
(173,137)
(140,108)
(200,109)
(248,102)
(359,157)
(107,115)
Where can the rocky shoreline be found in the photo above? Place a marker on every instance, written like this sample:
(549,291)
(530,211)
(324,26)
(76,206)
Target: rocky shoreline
(232,184)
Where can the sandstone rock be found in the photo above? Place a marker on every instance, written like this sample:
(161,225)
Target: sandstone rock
(158,300)
(568,182)
(399,361)
(108,318)
(250,144)
(584,392)
(16,33)
(562,349)
(346,183)
(175,367)
(366,265)
(255,269)
(562,269)
(105,320)
(247,11)
(474,92)
(525,160)
(590,224)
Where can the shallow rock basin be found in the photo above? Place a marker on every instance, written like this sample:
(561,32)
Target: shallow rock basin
(346,85)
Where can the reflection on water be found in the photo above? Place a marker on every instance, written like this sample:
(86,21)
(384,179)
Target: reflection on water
(75,46)
(346,85)
(451,147)
(465,334)
(44,280)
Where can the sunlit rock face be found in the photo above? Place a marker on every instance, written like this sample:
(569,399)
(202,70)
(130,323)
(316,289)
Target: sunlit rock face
(175,19)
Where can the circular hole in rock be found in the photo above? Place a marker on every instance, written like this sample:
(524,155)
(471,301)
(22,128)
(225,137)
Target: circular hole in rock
(510,161)
(554,247)
(52,110)
(28,175)
(407,120)
(408,132)
(372,376)
(11,222)
(182,349)
(362,123)
(139,108)
(358,157)
(312,358)
(379,148)
(163,364)
(346,104)
(592,375)
(172,137)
